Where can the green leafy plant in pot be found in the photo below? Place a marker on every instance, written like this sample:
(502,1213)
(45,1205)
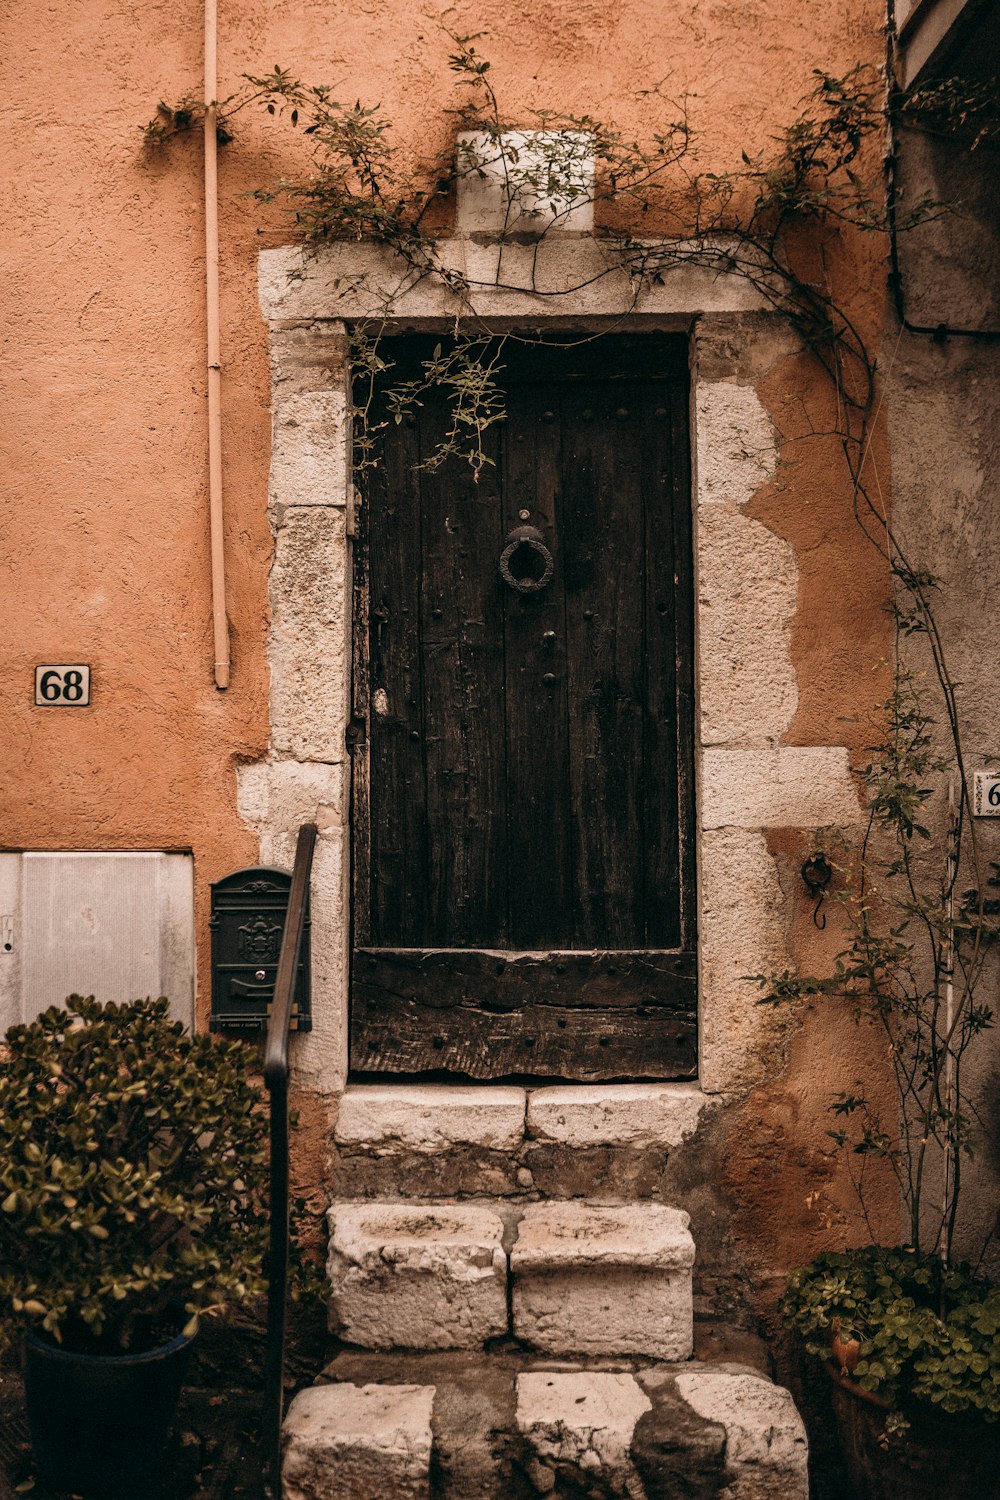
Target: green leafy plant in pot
(914,1348)
(133,1201)
(910,1334)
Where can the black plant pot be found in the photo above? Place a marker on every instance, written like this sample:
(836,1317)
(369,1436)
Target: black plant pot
(100,1422)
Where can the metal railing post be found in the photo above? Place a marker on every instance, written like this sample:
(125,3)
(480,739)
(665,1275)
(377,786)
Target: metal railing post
(276,1082)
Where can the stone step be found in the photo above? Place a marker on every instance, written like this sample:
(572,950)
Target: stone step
(417,1276)
(624,1141)
(512,1146)
(358,1442)
(511,1426)
(584,1278)
(593,1279)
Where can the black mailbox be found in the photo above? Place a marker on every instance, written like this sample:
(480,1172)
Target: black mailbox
(247,924)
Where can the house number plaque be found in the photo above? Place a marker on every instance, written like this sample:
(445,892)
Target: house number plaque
(986,794)
(62,686)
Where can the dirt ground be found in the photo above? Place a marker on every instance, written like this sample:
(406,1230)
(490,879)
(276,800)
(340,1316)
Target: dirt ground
(214,1451)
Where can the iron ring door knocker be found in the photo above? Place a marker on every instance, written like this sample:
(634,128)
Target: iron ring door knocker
(532,561)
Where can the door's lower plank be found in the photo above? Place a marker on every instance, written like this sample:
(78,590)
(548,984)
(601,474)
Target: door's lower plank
(583,1016)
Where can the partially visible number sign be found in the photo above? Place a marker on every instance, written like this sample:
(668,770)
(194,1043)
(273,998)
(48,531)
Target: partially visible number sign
(60,686)
(986,794)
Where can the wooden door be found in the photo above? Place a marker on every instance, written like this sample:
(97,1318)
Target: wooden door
(522,788)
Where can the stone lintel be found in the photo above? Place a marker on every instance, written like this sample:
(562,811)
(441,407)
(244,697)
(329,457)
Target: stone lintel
(584,274)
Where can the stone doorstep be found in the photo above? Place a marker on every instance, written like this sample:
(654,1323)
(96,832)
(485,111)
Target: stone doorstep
(431,1118)
(417,1276)
(615,1114)
(585,1278)
(359,1442)
(509,1425)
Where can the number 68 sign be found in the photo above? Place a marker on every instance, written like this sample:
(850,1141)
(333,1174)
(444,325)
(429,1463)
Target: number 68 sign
(986,794)
(62,686)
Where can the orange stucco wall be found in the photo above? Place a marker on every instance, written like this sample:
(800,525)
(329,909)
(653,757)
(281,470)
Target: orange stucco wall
(105,536)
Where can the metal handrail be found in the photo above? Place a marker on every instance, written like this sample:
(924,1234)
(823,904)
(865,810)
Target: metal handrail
(276,1082)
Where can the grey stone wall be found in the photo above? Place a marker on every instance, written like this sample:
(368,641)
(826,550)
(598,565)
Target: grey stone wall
(944,415)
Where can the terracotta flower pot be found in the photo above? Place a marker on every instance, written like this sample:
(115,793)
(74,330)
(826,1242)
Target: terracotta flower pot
(942,1457)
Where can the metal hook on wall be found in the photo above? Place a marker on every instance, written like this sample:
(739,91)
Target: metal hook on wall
(817,873)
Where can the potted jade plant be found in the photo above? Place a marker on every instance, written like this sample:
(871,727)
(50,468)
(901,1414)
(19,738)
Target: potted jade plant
(133,1202)
(908,1331)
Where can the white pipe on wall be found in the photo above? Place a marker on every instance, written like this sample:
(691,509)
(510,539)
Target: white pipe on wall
(220,623)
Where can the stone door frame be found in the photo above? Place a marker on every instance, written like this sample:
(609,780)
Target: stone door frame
(747,780)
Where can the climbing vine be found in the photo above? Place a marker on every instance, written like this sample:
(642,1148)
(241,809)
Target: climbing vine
(919,904)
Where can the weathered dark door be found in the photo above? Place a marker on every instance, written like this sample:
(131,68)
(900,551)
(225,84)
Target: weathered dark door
(522,807)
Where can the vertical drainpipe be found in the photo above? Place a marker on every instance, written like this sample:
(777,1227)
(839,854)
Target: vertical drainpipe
(220,624)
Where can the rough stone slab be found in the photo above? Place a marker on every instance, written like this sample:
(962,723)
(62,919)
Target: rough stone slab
(767,1451)
(742,929)
(506,185)
(319,1057)
(359,1442)
(275,796)
(310,617)
(610,1114)
(410,1276)
(604,1280)
(795,786)
(579,1426)
(578,1236)
(747,685)
(477,1449)
(280,795)
(308,358)
(737,447)
(481,1451)
(309,448)
(430,1118)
